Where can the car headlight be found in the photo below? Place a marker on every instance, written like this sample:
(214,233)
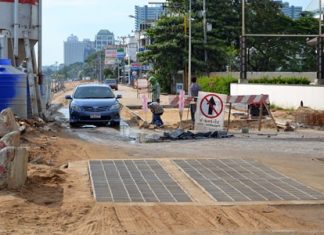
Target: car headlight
(115,106)
(76,108)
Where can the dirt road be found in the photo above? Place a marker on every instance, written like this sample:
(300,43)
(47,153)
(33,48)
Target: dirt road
(57,199)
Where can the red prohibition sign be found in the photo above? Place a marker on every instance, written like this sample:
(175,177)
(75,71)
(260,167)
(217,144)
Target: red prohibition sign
(211,103)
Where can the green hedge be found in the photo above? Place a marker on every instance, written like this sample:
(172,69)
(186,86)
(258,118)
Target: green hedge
(219,85)
(281,80)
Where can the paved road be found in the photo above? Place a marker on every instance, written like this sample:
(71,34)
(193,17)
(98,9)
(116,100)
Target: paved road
(131,97)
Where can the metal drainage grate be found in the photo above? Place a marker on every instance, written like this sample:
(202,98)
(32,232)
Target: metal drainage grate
(243,180)
(133,181)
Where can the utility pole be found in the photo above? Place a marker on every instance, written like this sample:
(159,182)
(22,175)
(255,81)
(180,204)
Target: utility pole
(189,59)
(129,59)
(320,18)
(100,71)
(99,74)
(320,42)
(205,33)
(243,72)
(123,38)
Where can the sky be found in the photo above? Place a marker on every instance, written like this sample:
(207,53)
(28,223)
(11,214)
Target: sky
(84,18)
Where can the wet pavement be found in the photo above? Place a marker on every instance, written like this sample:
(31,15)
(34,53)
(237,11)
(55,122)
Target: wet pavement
(102,134)
(298,143)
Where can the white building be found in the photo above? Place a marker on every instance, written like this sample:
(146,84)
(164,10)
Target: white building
(132,47)
(104,38)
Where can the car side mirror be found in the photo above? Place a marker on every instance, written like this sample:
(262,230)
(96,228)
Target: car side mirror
(119,97)
(68,97)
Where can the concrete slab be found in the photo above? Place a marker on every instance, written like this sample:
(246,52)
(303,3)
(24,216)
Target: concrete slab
(134,181)
(235,180)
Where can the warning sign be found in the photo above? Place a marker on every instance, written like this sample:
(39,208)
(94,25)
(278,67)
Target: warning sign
(210,112)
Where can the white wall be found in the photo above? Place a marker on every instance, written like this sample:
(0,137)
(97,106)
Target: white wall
(286,96)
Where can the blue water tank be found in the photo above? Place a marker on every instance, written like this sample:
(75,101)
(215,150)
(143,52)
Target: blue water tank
(13,89)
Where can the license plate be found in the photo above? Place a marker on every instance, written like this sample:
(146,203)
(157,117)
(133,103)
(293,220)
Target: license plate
(95,116)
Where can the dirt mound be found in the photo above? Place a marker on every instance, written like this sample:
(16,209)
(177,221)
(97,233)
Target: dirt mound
(43,186)
(54,148)
(41,175)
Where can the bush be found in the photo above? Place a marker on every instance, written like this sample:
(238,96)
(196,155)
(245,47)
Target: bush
(281,80)
(219,85)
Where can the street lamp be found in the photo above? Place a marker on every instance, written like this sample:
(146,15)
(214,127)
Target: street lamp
(189,53)
(136,33)
(128,58)
(123,46)
(205,31)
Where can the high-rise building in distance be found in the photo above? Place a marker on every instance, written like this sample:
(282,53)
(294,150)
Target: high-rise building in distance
(290,11)
(146,14)
(89,48)
(73,50)
(103,38)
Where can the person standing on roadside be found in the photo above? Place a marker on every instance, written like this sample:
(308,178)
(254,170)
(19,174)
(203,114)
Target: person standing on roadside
(155,89)
(194,90)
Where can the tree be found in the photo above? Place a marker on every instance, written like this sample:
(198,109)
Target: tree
(278,53)
(92,66)
(166,52)
(223,41)
(108,73)
(222,45)
(265,17)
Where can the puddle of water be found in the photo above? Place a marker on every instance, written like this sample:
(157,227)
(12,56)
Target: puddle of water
(133,134)
(136,135)
(125,132)
(65,112)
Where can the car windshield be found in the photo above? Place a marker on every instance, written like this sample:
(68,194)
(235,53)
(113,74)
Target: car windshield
(93,92)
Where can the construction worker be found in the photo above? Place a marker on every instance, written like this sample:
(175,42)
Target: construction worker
(157,111)
(155,89)
(194,90)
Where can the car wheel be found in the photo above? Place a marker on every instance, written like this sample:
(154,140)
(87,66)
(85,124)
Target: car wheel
(74,125)
(115,124)
(102,124)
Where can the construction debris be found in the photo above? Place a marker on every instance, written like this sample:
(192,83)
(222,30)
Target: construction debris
(7,122)
(12,139)
(287,126)
(309,117)
(2,144)
(13,158)
(180,134)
